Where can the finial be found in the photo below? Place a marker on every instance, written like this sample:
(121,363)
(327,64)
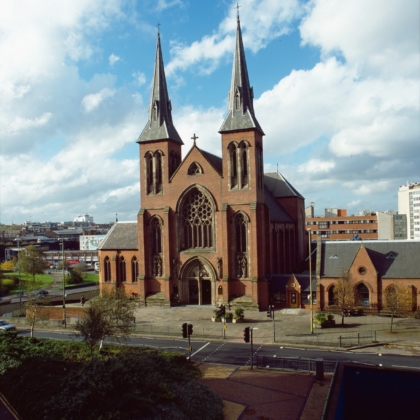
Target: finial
(194,137)
(237,10)
(116,217)
(158,26)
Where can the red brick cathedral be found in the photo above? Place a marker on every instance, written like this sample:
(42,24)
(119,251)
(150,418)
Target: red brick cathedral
(210,229)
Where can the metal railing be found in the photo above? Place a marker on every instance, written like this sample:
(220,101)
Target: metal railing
(358,338)
(293,363)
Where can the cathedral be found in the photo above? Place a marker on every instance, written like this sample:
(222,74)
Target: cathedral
(210,229)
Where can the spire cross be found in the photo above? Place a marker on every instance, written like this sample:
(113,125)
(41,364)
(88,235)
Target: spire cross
(237,10)
(194,137)
(158,26)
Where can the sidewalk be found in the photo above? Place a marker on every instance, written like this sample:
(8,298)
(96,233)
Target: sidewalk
(291,327)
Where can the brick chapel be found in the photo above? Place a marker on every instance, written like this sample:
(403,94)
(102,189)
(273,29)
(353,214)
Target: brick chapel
(210,229)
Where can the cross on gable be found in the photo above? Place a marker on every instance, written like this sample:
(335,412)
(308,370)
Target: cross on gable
(194,137)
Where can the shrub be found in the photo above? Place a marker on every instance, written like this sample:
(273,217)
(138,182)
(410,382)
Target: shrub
(330,316)
(320,318)
(228,315)
(216,313)
(239,313)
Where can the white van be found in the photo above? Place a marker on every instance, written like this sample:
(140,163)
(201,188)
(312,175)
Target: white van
(97,267)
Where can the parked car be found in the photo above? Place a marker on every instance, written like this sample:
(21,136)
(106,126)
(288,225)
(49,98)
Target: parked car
(5,326)
(42,294)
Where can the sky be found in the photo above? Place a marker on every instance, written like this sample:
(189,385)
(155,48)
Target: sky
(336,91)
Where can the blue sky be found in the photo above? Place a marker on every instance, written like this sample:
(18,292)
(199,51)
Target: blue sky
(336,87)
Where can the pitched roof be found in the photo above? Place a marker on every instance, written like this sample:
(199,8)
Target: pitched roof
(279,186)
(392,259)
(123,235)
(278,282)
(160,125)
(240,116)
(277,212)
(214,160)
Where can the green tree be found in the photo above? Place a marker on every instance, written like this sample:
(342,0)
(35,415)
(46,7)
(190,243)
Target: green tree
(34,309)
(109,315)
(9,265)
(345,295)
(398,301)
(32,261)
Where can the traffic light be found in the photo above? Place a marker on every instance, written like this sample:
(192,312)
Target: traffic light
(190,330)
(269,311)
(246,335)
(184,330)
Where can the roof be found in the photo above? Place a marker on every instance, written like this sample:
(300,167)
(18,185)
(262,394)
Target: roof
(392,259)
(277,212)
(241,114)
(214,160)
(123,235)
(278,282)
(160,125)
(279,186)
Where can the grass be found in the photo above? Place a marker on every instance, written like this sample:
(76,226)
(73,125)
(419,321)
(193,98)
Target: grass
(41,281)
(92,278)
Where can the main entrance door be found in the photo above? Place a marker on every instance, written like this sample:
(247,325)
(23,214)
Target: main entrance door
(197,284)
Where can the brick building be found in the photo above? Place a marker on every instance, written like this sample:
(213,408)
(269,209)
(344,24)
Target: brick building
(210,229)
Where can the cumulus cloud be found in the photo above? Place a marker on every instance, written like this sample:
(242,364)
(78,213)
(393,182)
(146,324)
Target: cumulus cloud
(92,101)
(261,22)
(113,59)
(139,78)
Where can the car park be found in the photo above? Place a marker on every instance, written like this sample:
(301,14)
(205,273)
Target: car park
(5,326)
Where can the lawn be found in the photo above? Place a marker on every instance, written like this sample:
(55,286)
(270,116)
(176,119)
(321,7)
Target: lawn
(41,281)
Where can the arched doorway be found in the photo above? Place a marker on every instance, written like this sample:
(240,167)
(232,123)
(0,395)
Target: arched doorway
(197,283)
(363,295)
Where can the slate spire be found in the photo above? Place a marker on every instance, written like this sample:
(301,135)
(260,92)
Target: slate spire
(160,125)
(241,114)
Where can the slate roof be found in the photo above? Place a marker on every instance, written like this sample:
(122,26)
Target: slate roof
(277,212)
(339,255)
(278,282)
(123,235)
(214,160)
(279,186)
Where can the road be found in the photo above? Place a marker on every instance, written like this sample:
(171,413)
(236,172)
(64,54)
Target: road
(240,353)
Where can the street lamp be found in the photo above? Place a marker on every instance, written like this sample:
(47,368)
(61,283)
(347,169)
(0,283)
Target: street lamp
(310,281)
(64,284)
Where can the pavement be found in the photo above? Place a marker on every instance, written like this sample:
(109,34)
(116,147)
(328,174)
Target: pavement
(290,327)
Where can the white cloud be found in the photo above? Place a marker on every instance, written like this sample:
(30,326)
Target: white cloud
(261,21)
(314,166)
(139,78)
(166,4)
(23,124)
(93,100)
(113,59)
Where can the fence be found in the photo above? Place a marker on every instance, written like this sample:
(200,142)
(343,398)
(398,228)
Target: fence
(293,363)
(352,339)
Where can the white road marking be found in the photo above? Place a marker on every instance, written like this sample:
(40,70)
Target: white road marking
(407,367)
(205,345)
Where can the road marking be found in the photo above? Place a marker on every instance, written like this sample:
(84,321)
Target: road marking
(363,363)
(205,345)
(407,367)
(295,348)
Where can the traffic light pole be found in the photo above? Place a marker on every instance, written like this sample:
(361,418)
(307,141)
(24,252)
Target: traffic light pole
(252,350)
(189,346)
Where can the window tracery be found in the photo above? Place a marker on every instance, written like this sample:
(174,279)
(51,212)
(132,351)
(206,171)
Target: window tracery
(156,247)
(107,269)
(241,245)
(174,161)
(197,221)
(195,169)
(153,163)
(134,269)
(122,270)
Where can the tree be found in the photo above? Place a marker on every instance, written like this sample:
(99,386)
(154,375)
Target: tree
(34,309)
(9,265)
(32,261)
(109,315)
(345,295)
(398,301)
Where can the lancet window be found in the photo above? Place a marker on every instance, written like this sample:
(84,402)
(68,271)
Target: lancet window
(195,169)
(153,163)
(174,161)
(197,220)
(122,270)
(134,269)
(239,165)
(156,247)
(107,269)
(240,227)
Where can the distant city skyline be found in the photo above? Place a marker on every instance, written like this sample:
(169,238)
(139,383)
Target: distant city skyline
(336,89)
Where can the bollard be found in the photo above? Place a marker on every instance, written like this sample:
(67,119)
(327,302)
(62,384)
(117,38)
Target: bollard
(319,368)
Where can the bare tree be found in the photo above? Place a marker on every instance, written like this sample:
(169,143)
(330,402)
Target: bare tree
(109,315)
(345,295)
(34,308)
(398,301)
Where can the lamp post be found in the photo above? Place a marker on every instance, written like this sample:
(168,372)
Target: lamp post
(64,284)
(20,286)
(310,281)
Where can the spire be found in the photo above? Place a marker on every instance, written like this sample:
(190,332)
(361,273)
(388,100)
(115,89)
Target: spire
(241,114)
(160,125)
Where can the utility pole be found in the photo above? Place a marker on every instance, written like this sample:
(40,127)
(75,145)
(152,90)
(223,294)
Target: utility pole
(20,285)
(270,314)
(310,281)
(64,286)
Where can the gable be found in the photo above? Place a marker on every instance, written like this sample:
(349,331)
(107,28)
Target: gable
(123,235)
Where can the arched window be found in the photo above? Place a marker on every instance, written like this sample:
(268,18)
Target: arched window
(244,164)
(238,100)
(174,161)
(156,247)
(121,270)
(153,163)
(331,297)
(134,269)
(240,223)
(107,269)
(233,166)
(274,255)
(197,220)
(260,172)
(363,294)
(195,169)
(149,172)
(158,172)
(155,111)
